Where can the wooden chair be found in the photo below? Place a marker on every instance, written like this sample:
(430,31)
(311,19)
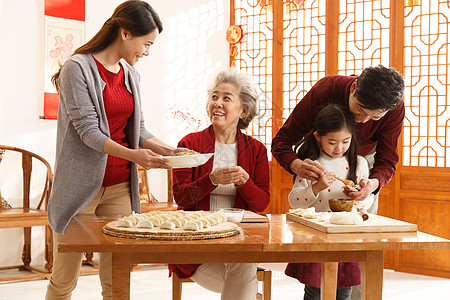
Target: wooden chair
(170,205)
(265,276)
(144,189)
(28,215)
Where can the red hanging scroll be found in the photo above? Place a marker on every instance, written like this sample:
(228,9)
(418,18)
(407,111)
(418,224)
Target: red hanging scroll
(64,32)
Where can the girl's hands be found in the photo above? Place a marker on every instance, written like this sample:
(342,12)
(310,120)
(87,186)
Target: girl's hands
(228,175)
(324,181)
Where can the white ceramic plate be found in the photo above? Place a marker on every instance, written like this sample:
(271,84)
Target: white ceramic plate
(234,215)
(188,161)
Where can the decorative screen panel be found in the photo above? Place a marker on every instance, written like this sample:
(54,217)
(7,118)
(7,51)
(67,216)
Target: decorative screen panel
(427,121)
(363,35)
(255,57)
(304,49)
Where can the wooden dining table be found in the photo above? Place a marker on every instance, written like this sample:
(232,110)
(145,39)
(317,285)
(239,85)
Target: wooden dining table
(276,241)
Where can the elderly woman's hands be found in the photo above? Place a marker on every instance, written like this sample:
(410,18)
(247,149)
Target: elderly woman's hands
(228,175)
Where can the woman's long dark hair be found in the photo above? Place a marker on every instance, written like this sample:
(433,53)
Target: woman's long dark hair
(331,118)
(135,16)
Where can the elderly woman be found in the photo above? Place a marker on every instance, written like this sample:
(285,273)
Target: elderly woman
(236,176)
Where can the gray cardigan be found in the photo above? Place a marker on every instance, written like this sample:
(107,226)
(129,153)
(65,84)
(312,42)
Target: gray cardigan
(81,133)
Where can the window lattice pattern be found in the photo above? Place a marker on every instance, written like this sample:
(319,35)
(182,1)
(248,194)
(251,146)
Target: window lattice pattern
(426,126)
(255,57)
(304,50)
(363,35)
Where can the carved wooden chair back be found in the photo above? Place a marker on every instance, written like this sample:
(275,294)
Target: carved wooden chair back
(28,215)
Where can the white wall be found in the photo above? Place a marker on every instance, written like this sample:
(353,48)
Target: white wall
(190,51)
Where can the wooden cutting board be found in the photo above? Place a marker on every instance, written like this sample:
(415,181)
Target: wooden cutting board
(251,217)
(375,223)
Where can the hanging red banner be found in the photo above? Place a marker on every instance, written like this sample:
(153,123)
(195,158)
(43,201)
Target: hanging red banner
(64,32)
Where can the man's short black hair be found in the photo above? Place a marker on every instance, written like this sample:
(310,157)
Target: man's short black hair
(379,88)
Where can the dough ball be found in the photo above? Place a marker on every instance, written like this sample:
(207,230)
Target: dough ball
(346,218)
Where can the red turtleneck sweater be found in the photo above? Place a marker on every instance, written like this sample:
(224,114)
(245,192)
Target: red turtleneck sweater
(119,106)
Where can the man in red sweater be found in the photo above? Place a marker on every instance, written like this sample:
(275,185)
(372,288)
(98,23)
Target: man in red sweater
(375,99)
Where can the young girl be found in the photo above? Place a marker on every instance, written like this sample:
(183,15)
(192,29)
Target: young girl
(332,143)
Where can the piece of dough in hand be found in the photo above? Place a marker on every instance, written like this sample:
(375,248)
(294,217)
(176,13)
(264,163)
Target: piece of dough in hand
(346,218)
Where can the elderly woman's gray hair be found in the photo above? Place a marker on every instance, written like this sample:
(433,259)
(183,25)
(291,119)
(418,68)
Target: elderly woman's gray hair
(248,92)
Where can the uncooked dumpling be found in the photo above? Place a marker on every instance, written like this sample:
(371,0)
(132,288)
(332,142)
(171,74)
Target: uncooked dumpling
(346,218)
(199,223)
(145,224)
(214,220)
(167,225)
(191,225)
(206,223)
(124,223)
(155,220)
(222,215)
(176,221)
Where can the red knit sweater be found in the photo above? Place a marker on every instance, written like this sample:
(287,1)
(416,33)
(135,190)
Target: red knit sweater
(119,106)
(382,134)
(192,187)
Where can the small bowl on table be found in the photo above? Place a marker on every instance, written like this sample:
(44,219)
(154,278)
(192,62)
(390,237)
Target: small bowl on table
(234,215)
(337,205)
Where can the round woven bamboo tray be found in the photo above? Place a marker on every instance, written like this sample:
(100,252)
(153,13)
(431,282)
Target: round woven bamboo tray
(219,231)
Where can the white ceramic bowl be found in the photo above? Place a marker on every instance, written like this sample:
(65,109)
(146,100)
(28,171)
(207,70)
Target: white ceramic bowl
(188,161)
(234,215)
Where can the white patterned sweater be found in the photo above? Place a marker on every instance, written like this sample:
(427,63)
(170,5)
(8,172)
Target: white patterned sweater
(225,155)
(302,195)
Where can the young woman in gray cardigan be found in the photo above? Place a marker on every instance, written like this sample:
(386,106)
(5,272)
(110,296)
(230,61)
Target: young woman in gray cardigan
(101,135)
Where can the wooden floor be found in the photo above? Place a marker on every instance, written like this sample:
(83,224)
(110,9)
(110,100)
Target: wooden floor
(397,286)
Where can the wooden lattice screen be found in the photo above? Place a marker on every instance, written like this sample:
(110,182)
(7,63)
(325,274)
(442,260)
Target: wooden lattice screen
(255,57)
(363,35)
(426,140)
(303,50)
(364,40)
(288,45)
